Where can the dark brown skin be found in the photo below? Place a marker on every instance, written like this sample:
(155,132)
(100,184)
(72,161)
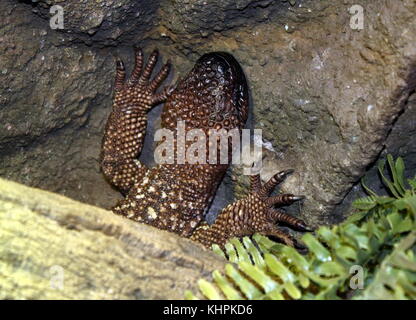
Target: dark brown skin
(175,197)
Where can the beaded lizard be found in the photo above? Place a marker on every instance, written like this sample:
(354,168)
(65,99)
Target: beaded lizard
(175,197)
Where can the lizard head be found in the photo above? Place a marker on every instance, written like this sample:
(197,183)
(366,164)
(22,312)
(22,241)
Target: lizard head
(214,94)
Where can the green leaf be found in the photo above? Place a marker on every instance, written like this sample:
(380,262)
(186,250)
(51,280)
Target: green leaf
(328,236)
(356,236)
(230,251)
(331,269)
(365,204)
(411,203)
(398,224)
(387,182)
(384,200)
(264,242)
(400,173)
(254,253)
(380,238)
(275,294)
(347,253)
(369,191)
(357,216)
(248,289)
(242,253)
(292,290)
(374,230)
(408,203)
(316,247)
(294,258)
(395,175)
(391,279)
(226,287)
(412,183)
(209,290)
(259,276)
(216,248)
(279,269)
(190,296)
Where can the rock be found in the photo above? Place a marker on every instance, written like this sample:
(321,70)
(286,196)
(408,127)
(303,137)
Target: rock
(399,143)
(328,96)
(53,107)
(105,21)
(201,18)
(52,247)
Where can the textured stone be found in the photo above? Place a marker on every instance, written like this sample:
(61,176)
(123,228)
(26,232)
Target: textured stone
(399,143)
(202,18)
(106,21)
(53,101)
(52,247)
(326,96)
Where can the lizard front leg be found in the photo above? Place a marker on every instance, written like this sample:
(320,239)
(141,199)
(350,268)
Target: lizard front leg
(254,213)
(126,125)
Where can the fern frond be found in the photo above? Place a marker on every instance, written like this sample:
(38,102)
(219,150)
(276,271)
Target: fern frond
(379,238)
(396,277)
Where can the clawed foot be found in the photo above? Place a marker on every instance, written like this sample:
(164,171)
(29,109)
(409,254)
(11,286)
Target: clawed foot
(268,215)
(256,212)
(262,214)
(140,90)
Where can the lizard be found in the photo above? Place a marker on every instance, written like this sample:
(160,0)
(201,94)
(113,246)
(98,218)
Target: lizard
(176,196)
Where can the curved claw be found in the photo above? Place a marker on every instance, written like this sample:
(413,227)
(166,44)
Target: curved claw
(301,225)
(301,248)
(283,199)
(120,64)
(298,198)
(120,74)
(274,181)
(305,227)
(280,216)
(138,65)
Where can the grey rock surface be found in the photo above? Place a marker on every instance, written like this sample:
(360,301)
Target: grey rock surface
(202,18)
(326,96)
(103,21)
(53,101)
(400,142)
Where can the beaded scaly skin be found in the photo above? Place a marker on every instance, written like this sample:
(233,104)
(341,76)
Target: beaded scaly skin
(175,197)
